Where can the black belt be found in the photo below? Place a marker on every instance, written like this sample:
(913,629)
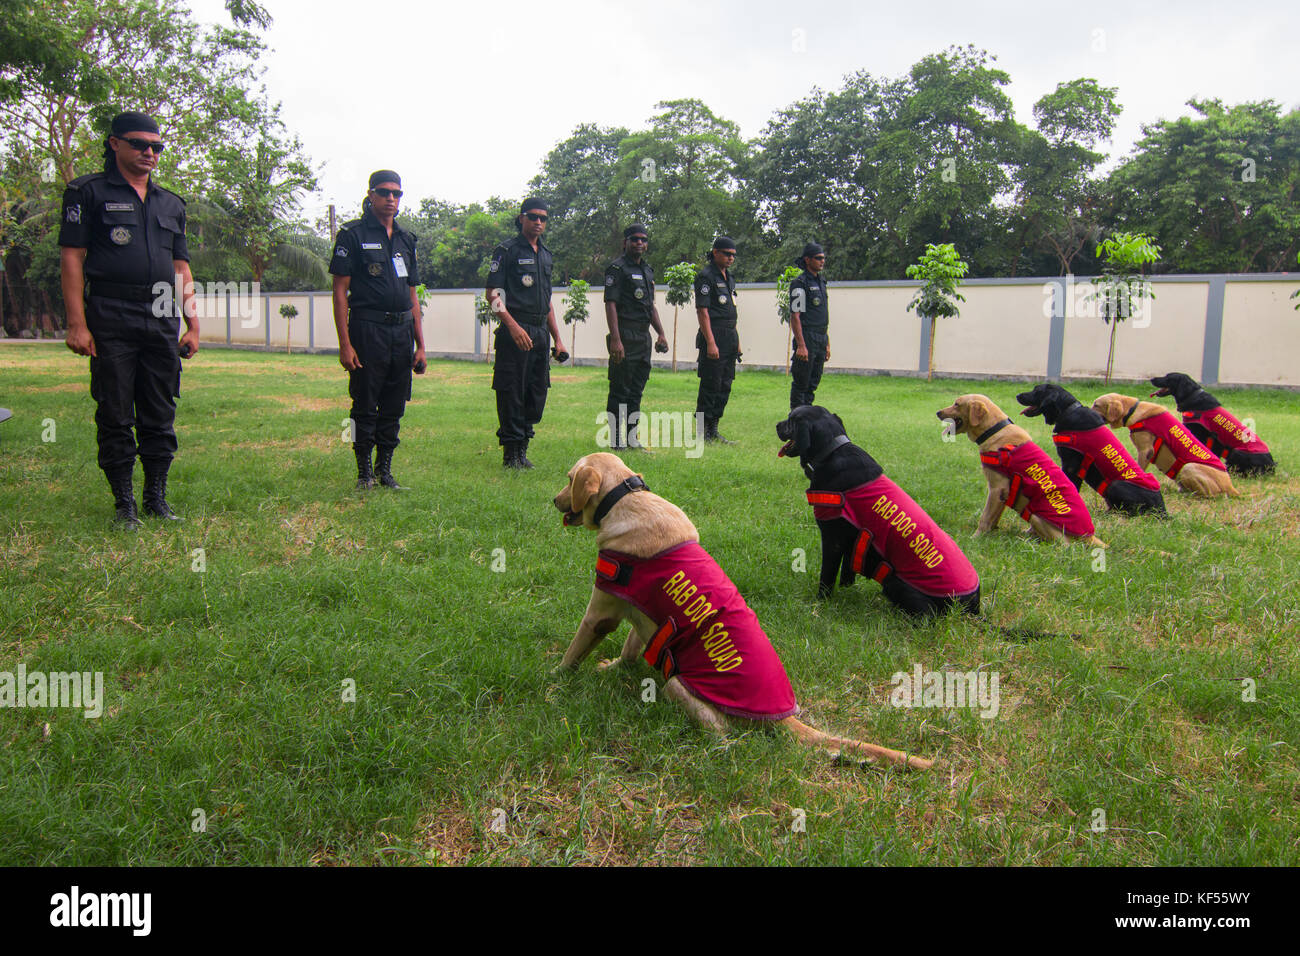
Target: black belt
(728,323)
(386,318)
(537,319)
(120,290)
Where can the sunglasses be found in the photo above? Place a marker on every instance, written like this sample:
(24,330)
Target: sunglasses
(536,216)
(730,254)
(143,144)
(388,193)
(817,258)
(637,239)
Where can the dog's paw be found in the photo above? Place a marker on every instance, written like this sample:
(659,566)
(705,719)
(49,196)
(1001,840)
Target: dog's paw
(609,664)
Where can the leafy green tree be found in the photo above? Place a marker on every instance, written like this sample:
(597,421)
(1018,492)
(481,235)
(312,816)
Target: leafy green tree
(783,306)
(1057,198)
(586,227)
(576,309)
(456,242)
(1122,286)
(680,279)
(1218,190)
(940,269)
(679,177)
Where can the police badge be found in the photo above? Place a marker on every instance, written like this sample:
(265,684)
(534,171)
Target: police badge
(120,235)
(527,281)
(375,269)
(816,301)
(74,214)
(639,293)
(722,300)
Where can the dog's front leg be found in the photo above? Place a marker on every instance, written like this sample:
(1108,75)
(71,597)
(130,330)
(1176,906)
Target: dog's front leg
(604,612)
(631,651)
(993,505)
(837,555)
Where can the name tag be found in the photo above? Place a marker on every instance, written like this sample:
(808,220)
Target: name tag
(400,265)
(527,262)
(118,207)
(372,245)
(639,278)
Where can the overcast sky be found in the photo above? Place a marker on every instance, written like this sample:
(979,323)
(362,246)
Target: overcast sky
(465,99)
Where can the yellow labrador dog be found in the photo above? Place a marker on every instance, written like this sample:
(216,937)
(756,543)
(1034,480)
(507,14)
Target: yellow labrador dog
(1020,476)
(1161,439)
(688,620)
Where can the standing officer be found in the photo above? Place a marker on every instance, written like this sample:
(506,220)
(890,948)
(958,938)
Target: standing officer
(809,316)
(519,291)
(122,239)
(630,310)
(377,314)
(718,340)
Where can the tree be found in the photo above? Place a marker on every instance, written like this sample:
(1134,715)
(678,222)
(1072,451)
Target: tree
(679,178)
(940,269)
(575,309)
(254,211)
(1220,191)
(783,307)
(680,279)
(1120,289)
(586,210)
(456,242)
(1057,204)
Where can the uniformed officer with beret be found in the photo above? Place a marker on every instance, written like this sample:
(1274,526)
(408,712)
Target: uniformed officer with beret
(519,293)
(123,258)
(718,339)
(809,317)
(630,310)
(380,328)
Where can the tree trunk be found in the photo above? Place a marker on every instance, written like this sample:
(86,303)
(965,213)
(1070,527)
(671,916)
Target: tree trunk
(929,374)
(789,343)
(675,338)
(573,341)
(1110,358)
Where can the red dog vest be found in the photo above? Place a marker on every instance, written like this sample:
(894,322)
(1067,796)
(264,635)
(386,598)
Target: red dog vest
(906,539)
(1180,446)
(1039,487)
(1101,447)
(707,636)
(1225,432)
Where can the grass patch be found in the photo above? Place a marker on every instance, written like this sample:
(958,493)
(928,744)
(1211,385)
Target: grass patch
(224,689)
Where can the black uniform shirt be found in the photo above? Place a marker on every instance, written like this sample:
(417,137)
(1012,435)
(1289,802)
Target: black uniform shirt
(631,287)
(126,240)
(364,251)
(815,314)
(716,294)
(525,275)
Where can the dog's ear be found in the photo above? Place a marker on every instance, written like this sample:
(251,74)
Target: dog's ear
(802,436)
(977,416)
(586,482)
(840,421)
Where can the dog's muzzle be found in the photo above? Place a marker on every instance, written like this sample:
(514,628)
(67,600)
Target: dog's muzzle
(572,518)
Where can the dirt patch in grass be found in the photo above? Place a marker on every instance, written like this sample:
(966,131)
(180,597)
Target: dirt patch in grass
(305,403)
(310,529)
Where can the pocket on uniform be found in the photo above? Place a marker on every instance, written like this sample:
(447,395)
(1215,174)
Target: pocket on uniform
(169,227)
(122,225)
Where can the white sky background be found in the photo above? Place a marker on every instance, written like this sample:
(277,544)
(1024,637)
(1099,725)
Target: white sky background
(465,99)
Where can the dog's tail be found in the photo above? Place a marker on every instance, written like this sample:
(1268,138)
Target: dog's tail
(857,748)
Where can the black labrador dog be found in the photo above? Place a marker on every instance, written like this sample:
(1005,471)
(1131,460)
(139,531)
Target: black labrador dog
(870,526)
(1097,457)
(1241,450)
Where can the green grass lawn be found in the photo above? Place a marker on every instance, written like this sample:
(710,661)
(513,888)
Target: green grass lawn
(224,688)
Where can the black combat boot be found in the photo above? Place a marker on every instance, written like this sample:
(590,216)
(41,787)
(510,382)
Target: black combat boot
(510,455)
(365,471)
(384,469)
(124,497)
(523,454)
(155,490)
(711,433)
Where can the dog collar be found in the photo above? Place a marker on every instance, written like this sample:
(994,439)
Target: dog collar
(997,427)
(1129,414)
(616,494)
(836,442)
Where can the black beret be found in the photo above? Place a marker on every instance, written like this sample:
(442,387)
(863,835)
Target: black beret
(384,176)
(636,229)
(810,250)
(124,123)
(532,202)
(724,242)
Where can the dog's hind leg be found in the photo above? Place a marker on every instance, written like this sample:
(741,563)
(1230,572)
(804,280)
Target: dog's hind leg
(632,648)
(708,716)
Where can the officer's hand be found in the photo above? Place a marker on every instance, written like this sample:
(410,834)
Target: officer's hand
(616,351)
(348,358)
(661,345)
(418,364)
(559,355)
(801,353)
(523,341)
(81,341)
(711,350)
(189,343)
(828,353)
